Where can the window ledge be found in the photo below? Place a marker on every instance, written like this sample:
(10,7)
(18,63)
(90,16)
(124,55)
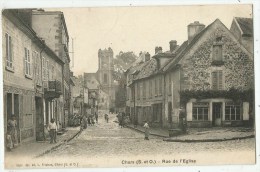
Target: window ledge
(28,76)
(9,69)
(217,63)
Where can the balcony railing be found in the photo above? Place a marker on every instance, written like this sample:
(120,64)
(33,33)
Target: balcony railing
(52,89)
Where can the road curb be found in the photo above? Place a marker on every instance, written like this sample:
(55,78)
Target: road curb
(207,140)
(56,146)
(141,131)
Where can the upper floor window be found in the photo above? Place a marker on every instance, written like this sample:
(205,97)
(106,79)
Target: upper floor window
(138,90)
(144,89)
(27,58)
(9,51)
(217,55)
(45,66)
(150,88)
(155,86)
(105,78)
(170,85)
(217,52)
(217,80)
(37,67)
(160,85)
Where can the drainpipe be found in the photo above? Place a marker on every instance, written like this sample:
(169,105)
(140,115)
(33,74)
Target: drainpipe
(43,48)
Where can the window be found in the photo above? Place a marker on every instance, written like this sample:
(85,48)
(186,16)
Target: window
(150,88)
(217,52)
(217,80)
(132,93)
(105,78)
(45,67)
(232,112)
(144,90)
(138,90)
(200,111)
(9,51)
(37,67)
(160,85)
(27,62)
(156,86)
(170,85)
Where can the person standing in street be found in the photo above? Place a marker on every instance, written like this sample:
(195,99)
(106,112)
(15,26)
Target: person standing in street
(96,116)
(11,137)
(147,132)
(53,130)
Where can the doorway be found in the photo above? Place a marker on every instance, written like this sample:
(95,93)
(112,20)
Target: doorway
(39,119)
(216,114)
(13,108)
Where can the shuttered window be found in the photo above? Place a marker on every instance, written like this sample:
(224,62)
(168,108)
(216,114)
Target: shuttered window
(9,51)
(217,80)
(27,62)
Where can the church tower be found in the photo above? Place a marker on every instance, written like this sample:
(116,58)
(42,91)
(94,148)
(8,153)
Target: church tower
(105,73)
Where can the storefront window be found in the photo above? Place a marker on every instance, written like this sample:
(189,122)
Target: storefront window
(232,112)
(200,111)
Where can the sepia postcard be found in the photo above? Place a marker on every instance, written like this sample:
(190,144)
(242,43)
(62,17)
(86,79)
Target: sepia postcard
(129,86)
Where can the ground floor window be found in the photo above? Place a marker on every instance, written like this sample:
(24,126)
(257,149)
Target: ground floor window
(200,111)
(232,112)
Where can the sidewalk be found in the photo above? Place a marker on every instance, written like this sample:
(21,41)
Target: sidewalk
(213,134)
(35,149)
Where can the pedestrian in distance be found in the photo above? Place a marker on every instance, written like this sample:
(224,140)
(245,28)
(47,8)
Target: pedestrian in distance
(147,132)
(11,137)
(96,116)
(52,128)
(106,117)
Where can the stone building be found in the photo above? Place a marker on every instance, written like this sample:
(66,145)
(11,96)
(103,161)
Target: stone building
(210,75)
(27,63)
(103,81)
(51,27)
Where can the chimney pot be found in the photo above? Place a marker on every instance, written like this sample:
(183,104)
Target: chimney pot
(193,29)
(173,45)
(147,57)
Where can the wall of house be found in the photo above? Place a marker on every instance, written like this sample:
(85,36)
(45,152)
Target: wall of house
(237,69)
(172,88)
(197,67)
(48,32)
(15,81)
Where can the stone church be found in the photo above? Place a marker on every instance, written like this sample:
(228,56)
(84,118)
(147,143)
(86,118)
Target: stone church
(102,82)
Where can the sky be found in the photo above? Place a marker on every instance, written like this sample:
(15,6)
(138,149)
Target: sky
(136,28)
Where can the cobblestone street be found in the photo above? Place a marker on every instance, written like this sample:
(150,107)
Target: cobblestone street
(108,141)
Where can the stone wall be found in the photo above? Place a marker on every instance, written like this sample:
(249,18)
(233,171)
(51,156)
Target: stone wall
(238,68)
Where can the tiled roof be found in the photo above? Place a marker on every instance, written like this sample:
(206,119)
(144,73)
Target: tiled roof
(245,24)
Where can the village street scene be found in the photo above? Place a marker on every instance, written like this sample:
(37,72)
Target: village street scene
(73,101)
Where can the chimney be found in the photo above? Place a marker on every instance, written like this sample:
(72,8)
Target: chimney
(147,57)
(194,29)
(173,45)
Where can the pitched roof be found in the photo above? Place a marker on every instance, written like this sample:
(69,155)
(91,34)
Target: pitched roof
(91,81)
(246,25)
(185,47)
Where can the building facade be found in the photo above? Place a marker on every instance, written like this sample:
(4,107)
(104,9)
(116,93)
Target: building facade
(55,35)
(102,82)
(25,57)
(210,76)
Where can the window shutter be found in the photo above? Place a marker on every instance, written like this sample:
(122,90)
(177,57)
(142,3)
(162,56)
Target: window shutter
(21,111)
(214,80)
(220,83)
